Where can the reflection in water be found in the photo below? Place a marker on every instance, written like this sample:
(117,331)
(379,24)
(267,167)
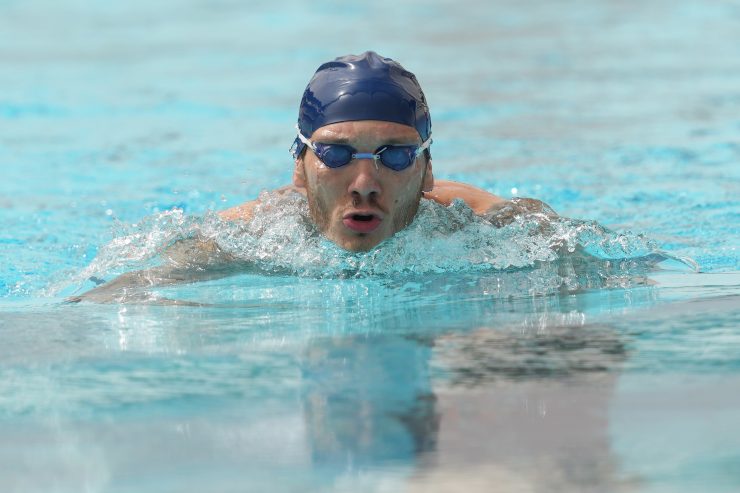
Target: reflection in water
(396,384)
(525,410)
(368,400)
(512,408)
(525,435)
(484,355)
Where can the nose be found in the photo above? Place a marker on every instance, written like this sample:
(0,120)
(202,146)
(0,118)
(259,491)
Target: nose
(365,182)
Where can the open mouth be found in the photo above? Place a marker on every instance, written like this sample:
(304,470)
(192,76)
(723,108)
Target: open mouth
(362,223)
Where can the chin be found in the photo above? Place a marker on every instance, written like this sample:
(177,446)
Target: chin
(351,241)
(354,242)
(357,243)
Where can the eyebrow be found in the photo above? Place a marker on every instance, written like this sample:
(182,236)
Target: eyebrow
(346,141)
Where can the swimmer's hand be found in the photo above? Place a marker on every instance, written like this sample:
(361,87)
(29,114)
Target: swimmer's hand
(506,212)
(186,261)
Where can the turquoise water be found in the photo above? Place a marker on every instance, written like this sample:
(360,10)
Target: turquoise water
(456,357)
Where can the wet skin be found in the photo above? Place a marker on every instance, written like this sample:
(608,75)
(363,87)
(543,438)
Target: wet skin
(362,203)
(359,205)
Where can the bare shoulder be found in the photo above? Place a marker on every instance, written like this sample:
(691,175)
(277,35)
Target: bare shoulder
(241,212)
(497,210)
(445,191)
(245,211)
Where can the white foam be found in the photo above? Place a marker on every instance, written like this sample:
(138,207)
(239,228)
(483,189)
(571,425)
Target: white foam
(282,238)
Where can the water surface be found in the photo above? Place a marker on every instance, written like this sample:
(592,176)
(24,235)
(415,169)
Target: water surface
(473,365)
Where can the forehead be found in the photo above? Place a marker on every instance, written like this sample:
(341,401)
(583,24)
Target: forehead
(367,131)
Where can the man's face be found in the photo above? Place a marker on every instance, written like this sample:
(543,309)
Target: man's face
(360,204)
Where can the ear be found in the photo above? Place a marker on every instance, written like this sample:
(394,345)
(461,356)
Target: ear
(299,173)
(428,184)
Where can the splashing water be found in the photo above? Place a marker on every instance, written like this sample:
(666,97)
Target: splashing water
(282,239)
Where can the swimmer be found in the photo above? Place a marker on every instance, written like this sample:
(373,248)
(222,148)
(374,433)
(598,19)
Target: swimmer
(362,156)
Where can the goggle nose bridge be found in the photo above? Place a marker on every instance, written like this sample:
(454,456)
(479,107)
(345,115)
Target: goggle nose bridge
(375,156)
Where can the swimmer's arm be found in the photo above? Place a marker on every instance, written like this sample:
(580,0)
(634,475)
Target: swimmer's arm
(186,261)
(445,191)
(245,211)
(497,210)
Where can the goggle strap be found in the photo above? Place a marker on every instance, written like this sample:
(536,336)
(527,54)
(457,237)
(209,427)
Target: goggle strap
(304,139)
(424,145)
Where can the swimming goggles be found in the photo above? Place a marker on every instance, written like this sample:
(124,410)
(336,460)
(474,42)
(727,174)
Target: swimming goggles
(395,157)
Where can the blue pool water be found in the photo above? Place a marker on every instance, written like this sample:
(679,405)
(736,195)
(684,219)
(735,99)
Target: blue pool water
(456,357)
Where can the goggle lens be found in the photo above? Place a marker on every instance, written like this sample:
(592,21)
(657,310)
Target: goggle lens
(396,158)
(334,155)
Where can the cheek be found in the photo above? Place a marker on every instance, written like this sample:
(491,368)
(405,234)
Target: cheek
(408,189)
(325,183)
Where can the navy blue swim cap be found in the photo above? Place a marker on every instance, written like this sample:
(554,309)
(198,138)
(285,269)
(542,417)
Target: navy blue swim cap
(362,87)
